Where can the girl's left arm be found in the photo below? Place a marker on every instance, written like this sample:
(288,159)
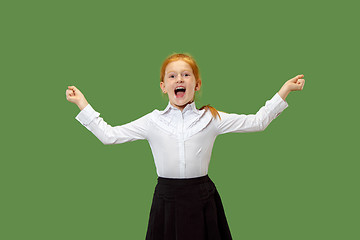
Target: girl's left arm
(266,114)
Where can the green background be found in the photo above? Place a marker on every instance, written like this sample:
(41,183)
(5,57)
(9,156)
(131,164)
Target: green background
(298,179)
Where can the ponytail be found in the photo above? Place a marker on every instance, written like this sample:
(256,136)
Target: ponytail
(213,111)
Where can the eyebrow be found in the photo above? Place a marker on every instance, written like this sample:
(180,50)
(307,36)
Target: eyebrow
(182,71)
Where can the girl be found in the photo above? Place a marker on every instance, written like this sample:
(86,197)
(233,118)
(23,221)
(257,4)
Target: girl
(186,204)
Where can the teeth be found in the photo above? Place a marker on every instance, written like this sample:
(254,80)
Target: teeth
(179,88)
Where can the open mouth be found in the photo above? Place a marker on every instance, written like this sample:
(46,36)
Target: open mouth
(180,91)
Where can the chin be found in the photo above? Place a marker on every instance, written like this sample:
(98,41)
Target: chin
(181,102)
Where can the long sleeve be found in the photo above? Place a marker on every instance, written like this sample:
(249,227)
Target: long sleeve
(135,130)
(252,122)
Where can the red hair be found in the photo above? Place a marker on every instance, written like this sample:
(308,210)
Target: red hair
(191,61)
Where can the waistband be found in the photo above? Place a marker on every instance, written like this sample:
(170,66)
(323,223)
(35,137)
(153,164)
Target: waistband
(183,181)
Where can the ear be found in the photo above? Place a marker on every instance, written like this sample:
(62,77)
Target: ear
(198,85)
(162,86)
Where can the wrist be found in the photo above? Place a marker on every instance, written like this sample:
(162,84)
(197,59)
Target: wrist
(82,105)
(284,91)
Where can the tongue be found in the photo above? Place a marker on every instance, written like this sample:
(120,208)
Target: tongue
(180,94)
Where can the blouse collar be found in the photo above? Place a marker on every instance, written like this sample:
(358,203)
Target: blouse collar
(193,120)
(189,107)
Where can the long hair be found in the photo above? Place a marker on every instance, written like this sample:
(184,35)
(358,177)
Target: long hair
(191,61)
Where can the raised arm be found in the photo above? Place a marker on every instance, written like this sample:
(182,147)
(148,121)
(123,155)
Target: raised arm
(106,133)
(264,116)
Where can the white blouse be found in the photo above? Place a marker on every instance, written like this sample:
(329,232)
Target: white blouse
(181,141)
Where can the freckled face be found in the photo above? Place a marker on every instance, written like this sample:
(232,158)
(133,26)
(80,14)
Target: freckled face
(179,84)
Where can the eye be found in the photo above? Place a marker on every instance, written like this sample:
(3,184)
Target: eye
(186,75)
(172,76)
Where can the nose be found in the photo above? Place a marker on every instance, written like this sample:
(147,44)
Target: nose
(179,78)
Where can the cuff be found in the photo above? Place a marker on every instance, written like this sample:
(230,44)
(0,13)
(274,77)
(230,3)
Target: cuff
(277,104)
(87,115)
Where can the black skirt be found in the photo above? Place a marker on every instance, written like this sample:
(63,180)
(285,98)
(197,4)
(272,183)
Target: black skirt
(187,209)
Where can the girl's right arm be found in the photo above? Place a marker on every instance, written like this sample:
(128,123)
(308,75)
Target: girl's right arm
(107,134)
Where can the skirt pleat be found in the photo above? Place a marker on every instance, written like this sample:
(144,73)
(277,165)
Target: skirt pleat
(187,209)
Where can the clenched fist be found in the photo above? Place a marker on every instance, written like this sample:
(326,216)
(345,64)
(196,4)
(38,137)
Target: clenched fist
(295,84)
(75,96)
